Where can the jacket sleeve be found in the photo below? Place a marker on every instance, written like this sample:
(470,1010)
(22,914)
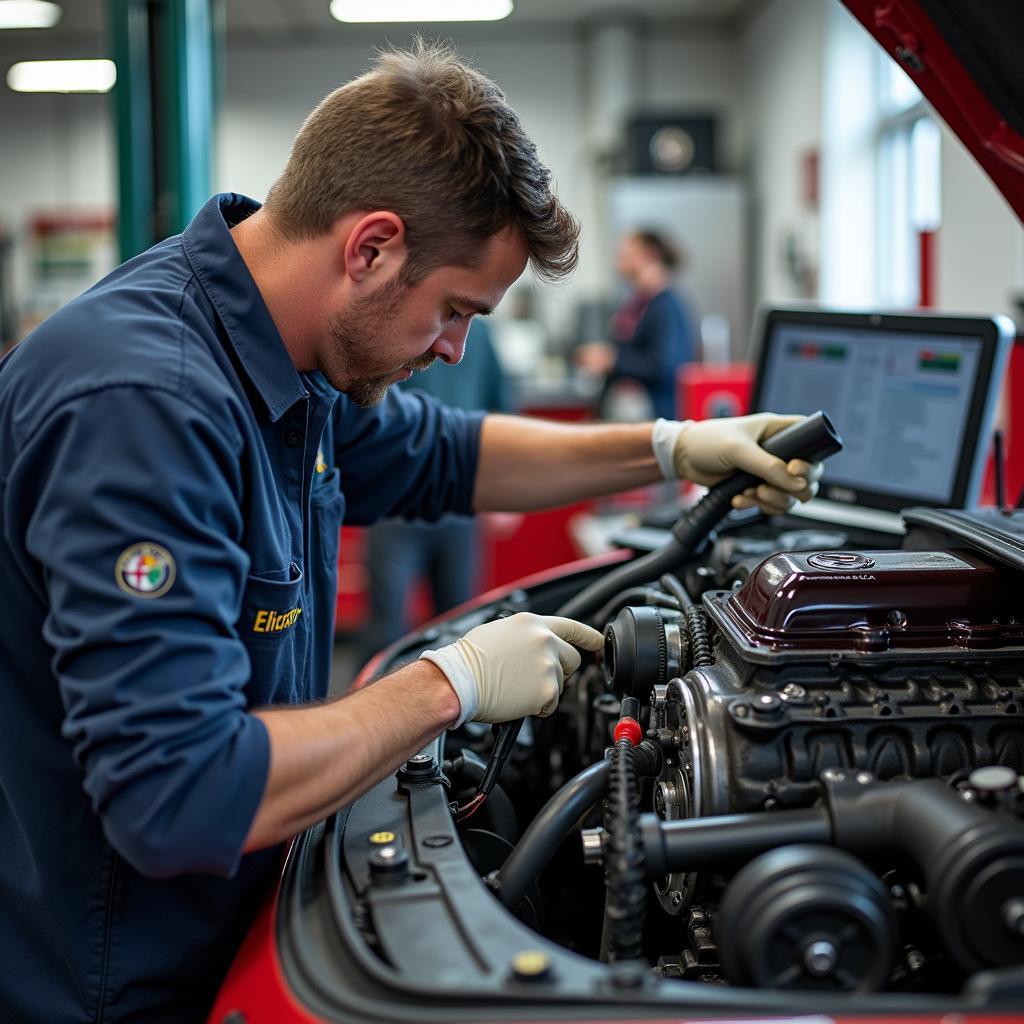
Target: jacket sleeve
(150,668)
(409,456)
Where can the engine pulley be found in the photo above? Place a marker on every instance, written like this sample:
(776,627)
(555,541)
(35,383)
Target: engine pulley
(807,917)
(643,647)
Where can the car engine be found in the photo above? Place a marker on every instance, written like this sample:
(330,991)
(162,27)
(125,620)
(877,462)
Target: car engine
(791,781)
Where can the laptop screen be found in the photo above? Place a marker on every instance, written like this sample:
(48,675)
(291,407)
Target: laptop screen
(912,397)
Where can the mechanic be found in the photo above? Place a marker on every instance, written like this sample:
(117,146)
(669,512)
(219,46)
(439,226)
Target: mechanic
(178,447)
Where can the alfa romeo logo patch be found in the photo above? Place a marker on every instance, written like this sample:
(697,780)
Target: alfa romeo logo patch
(146,570)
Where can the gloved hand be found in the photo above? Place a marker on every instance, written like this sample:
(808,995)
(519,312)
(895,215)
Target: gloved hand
(514,667)
(710,450)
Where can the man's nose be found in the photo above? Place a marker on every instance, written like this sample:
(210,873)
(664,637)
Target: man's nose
(450,344)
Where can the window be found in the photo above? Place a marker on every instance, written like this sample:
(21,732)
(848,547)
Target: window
(907,187)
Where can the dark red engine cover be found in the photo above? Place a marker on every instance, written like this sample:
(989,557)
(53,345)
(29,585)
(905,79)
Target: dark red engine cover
(876,601)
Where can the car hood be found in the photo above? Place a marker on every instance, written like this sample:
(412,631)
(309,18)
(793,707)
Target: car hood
(968,61)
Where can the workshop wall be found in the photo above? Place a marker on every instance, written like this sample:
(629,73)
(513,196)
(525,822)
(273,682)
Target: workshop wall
(980,251)
(782,74)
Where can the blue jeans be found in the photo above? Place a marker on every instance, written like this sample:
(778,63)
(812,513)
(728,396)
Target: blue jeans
(398,554)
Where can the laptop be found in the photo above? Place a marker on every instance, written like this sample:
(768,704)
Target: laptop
(912,396)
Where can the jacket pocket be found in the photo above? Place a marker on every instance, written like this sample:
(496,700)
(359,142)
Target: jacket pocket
(275,634)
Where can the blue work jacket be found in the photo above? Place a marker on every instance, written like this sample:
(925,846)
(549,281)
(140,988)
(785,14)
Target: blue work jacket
(171,496)
(661,343)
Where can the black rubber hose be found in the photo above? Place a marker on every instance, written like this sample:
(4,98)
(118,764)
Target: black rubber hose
(642,570)
(697,625)
(626,892)
(647,596)
(674,585)
(546,832)
(499,806)
(675,846)
(813,438)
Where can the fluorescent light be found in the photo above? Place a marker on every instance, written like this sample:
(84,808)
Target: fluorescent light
(420,10)
(62,76)
(28,14)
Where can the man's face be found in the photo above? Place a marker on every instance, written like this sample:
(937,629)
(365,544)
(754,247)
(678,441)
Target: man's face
(384,337)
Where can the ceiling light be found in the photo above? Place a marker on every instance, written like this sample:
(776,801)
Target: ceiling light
(62,76)
(420,10)
(28,14)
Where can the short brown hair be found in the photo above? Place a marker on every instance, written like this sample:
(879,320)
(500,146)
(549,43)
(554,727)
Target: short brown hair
(428,137)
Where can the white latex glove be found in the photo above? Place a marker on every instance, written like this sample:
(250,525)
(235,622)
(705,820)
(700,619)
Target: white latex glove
(710,450)
(514,667)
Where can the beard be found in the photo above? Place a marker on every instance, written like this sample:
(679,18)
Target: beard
(354,363)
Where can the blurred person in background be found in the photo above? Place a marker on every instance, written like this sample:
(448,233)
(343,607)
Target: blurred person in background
(651,333)
(445,554)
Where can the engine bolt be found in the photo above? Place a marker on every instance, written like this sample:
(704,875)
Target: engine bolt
(382,838)
(768,704)
(389,865)
(833,775)
(676,898)
(915,960)
(994,779)
(792,691)
(593,845)
(865,778)
(1013,915)
(820,958)
(419,768)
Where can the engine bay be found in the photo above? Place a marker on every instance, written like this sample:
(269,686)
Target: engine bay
(792,775)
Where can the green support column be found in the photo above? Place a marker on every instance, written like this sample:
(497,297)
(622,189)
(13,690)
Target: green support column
(165,52)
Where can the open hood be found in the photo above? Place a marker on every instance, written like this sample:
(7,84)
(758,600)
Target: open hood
(967,58)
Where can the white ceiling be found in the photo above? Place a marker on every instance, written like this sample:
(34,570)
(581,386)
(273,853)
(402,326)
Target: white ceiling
(299,17)
(260,15)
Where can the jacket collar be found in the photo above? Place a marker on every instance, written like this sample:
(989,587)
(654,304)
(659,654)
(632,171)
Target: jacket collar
(223,275)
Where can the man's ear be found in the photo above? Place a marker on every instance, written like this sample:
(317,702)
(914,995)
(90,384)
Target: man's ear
(374,247)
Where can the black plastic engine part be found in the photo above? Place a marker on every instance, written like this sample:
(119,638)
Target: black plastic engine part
(726,839)
(813,438)
(635,596)
(807,917)
(970,856)
(642,648)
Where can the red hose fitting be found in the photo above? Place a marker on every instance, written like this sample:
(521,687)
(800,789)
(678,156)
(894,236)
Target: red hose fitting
(629,729)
